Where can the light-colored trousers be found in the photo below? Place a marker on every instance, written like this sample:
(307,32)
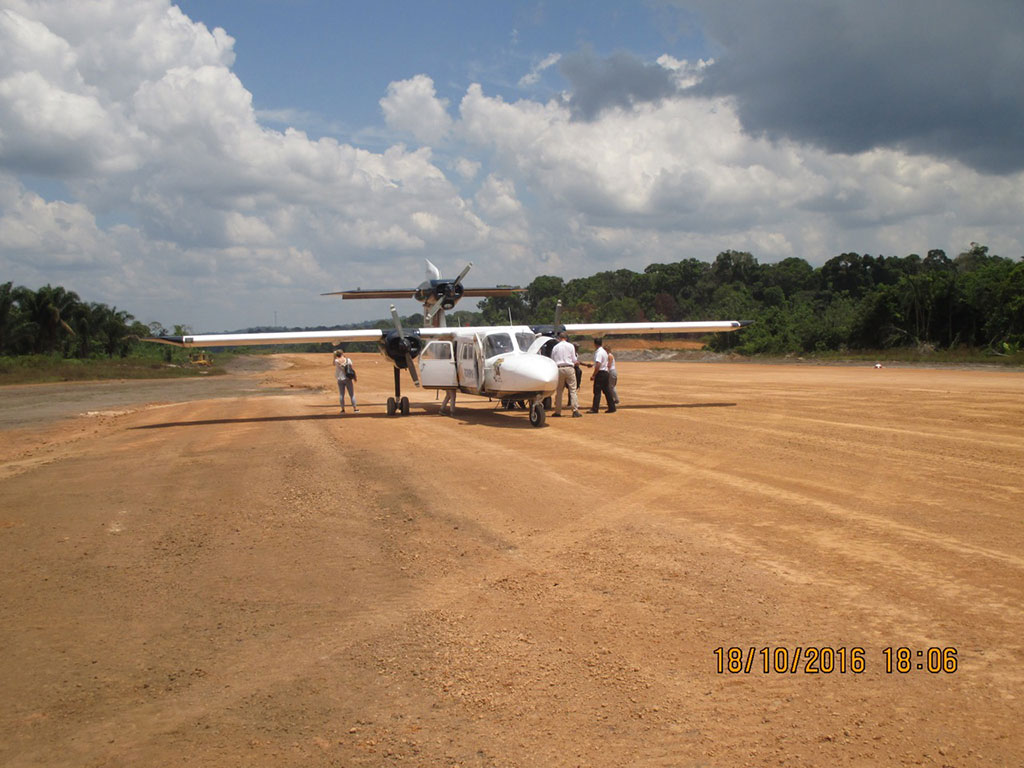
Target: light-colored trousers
(346,384)
(567,378)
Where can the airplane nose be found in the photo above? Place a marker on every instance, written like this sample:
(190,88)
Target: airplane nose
(529,373)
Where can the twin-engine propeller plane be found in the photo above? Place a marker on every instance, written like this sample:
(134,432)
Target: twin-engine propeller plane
(508,362)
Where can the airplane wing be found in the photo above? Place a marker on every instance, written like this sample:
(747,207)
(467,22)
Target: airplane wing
(253,339)
(598,329)
(373,334)
(609,329)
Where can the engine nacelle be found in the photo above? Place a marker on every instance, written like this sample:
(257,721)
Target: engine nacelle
(444,292)
(401,347)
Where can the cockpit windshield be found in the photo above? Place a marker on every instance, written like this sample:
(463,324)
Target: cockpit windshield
(497,344)
(524,340)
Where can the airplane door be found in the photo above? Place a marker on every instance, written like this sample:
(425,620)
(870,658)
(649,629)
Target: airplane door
(437,365)
(478,357)
(470,363)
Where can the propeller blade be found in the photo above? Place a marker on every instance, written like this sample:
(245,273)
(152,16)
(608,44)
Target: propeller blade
(413,371)
(431,312)
(558,317)
(396,321)
(463,273)
(409,362)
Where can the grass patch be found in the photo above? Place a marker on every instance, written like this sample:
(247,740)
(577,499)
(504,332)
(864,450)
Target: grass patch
(41,369)
(956,356)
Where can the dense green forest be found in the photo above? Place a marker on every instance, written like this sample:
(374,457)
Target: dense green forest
(852,302)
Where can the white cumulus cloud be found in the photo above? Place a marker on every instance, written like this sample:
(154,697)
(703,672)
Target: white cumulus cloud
(412,105)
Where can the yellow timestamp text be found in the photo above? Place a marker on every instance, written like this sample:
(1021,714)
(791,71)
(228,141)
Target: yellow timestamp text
(827,660)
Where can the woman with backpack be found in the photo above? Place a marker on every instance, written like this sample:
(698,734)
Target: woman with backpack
(346,377)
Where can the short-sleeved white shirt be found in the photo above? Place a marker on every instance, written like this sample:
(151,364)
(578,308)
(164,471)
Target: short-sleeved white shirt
(564,353)
(600,359)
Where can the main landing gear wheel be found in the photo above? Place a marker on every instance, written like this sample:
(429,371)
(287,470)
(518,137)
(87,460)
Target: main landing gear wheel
(537,415)
(391,406)
(404,406)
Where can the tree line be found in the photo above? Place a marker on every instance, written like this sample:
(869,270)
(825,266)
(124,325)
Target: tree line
(851,302)
(54,320)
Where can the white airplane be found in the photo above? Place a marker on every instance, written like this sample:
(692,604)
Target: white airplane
(510,362)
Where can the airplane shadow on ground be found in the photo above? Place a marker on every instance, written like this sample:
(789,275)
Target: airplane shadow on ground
(496,417)
(253,420)
(656,406)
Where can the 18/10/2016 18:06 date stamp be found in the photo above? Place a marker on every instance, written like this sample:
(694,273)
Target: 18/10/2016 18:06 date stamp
(826,660)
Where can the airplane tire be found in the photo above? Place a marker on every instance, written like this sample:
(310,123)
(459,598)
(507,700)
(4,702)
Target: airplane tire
(391,406)
(404,405)
(537,415)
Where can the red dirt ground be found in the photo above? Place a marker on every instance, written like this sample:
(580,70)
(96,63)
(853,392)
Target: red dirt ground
(256,580)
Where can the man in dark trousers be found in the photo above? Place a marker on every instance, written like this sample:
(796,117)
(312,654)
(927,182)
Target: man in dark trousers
(600,378)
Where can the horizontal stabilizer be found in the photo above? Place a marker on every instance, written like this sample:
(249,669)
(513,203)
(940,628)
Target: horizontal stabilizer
(496,291)
(409,293)
(374,293)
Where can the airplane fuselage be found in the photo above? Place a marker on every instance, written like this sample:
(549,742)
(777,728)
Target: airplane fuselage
(500,362)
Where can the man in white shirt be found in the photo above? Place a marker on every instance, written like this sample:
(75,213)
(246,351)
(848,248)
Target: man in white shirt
(564,355)
(600,378)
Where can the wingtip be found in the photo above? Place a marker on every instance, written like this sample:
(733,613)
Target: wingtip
(174,341)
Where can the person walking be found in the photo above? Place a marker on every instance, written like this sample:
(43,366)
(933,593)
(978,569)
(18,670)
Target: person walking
(564,356)
(600,378)
(345,375)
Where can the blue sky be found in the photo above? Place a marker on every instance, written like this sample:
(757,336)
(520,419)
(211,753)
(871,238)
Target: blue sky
(330,62)
(220,163)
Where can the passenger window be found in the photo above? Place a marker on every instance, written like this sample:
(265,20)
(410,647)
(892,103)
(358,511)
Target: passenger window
(497,344)
(438,351)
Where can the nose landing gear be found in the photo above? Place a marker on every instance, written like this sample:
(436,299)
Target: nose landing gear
(398,404)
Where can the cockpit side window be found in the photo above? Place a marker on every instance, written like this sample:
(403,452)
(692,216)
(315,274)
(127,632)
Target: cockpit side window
(497,344)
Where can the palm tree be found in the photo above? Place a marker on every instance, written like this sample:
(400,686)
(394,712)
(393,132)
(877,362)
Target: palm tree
(13,330)
(87,321)
(46,311)
(115,330)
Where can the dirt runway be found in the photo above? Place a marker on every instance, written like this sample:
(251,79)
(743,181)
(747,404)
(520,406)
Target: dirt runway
(250,581)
